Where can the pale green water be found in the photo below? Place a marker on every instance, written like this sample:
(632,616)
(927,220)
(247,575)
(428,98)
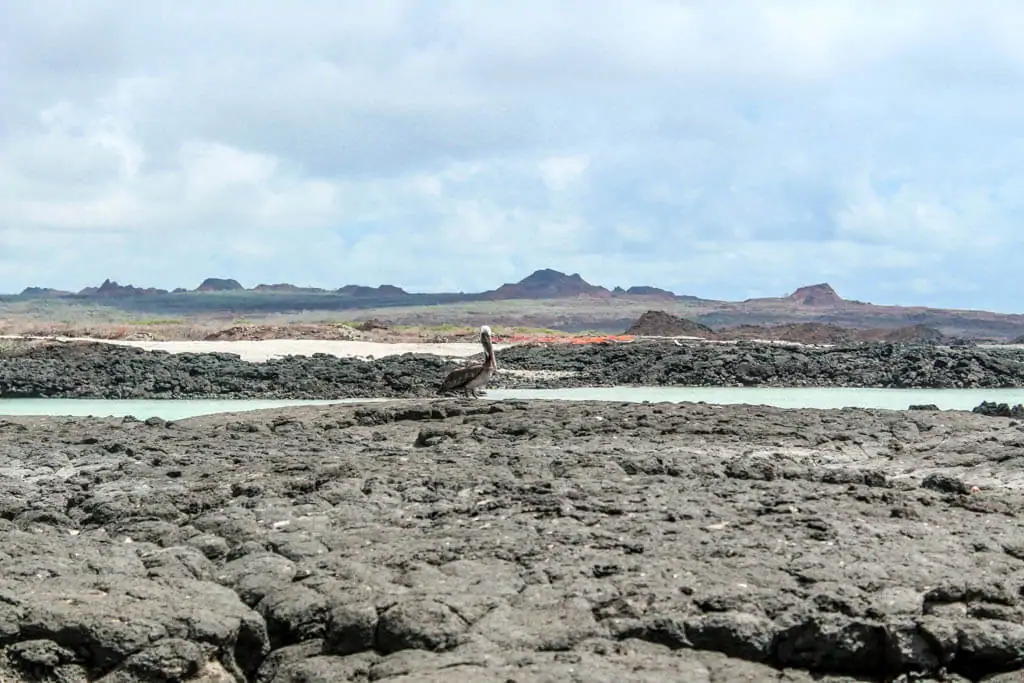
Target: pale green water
(142,409)
(786,397)
(892,399)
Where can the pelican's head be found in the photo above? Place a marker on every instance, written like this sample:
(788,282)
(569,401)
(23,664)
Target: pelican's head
(485,330)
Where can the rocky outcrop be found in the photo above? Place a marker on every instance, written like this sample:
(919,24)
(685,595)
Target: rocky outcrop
(94,370)
(662,324)
(547,284)
(107,371)
(820,294)
(218,284)
(363,292)
(43,293)
(657,363)
(646,291)
(110,289)
(526,541)
(994,409)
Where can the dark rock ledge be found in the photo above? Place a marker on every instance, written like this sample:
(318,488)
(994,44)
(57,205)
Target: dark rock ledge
(540,541)
(90,370)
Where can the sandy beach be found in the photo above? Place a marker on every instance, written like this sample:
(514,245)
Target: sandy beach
(262,350)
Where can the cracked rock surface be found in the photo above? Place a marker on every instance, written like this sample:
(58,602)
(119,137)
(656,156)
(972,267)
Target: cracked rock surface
(513,541)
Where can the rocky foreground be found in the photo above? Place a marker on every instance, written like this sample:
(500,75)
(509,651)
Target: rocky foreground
(486,541)
(93,370)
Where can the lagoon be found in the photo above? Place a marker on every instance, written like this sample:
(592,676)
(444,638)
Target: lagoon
(787,397)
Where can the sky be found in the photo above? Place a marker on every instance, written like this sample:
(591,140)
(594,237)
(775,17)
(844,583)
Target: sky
(721,148)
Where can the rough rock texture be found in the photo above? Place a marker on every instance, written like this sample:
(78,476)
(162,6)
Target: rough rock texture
(513,541)
(95,370)
(756,364)
(994,409)
(662,324)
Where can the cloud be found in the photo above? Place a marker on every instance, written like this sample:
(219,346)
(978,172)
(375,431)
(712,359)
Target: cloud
(721,149)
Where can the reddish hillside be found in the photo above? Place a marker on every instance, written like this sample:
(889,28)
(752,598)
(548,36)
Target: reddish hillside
(547,284)
(816,295)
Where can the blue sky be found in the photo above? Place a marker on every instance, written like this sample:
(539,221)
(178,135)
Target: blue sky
(726,148)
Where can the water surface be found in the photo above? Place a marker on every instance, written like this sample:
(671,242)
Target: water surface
(789,397)
(167,409)
(780,397)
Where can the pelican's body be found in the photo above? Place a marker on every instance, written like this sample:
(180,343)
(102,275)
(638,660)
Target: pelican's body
(472,377)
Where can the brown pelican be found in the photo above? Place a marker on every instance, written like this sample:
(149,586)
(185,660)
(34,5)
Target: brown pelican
(476,375)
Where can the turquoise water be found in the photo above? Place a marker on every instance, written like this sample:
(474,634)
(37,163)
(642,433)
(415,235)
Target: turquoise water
(892,399)
(142,409)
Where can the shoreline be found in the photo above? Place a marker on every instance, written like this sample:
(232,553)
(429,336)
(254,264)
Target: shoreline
(203,370)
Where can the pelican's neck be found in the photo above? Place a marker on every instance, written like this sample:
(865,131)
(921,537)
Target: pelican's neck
(485,339)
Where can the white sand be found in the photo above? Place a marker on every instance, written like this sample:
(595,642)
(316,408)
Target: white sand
(262,350)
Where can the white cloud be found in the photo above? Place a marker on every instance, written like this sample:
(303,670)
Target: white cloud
(711,148)
(562,172)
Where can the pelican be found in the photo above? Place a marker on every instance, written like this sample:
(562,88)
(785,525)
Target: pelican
(476,375)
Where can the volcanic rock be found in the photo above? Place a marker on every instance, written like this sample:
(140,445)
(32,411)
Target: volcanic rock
(820,294)
(542,540)
(217,284)
(662,324)
(94,370)
(547,284)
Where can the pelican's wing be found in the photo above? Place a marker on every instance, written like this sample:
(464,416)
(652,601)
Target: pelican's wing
(458,378)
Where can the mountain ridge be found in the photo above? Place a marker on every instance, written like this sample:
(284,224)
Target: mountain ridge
(573,302)
(545,283)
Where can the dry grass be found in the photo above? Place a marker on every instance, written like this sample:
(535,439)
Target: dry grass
(99,323)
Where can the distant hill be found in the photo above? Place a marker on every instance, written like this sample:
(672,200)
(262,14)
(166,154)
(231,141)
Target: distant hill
(111,290)
(287,288)
(643,290)
(43,293)
(816,295)
(364,292)
(217,284)
(547,284)
(586,306)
